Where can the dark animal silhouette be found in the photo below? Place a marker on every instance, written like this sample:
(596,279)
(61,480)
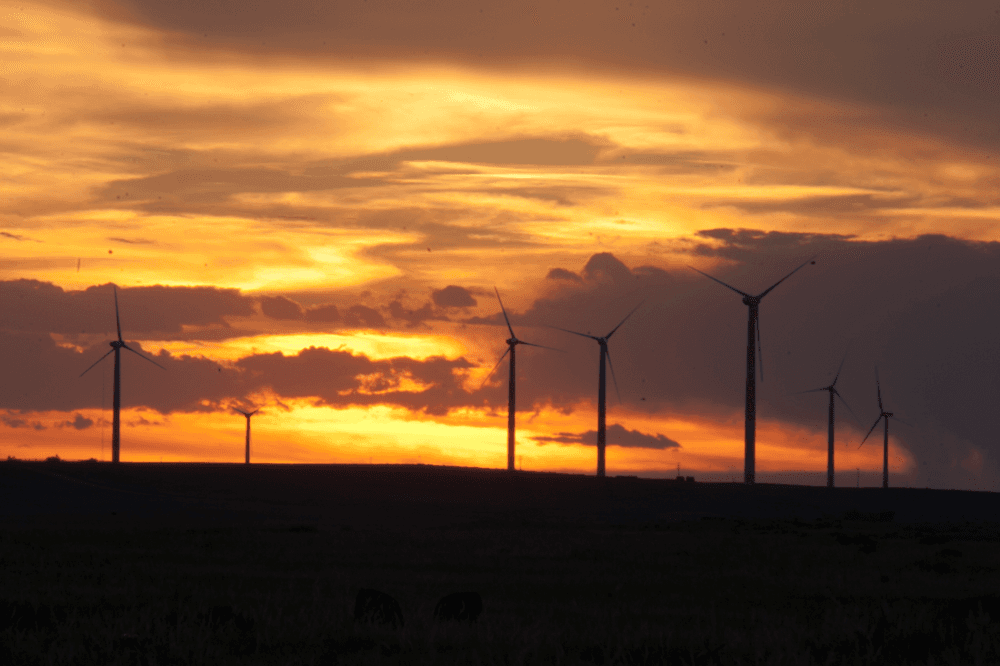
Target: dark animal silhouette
(374,606)
(459,606)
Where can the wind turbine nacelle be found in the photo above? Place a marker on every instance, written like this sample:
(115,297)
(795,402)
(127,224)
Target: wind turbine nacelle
(512,341)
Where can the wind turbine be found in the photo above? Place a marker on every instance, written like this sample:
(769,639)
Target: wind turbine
(248,415)
(832,388)
(753,330)
(512,342)
(116,347)
(885,442)
(603,342)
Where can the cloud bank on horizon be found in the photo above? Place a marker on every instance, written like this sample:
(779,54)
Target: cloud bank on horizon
(309,204)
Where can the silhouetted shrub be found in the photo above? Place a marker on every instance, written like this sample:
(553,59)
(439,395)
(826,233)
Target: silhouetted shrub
(53,459)
(375,606)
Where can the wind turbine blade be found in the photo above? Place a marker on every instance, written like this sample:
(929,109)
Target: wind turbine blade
(841,367)
(96,362)
(237,409)
(532,344)
(878,388)
(613,378)
(621,322)
(824,388)
(585,335)
(760,352)
(143,356)
(903,422)
(254,412)
(837,393)
(505,318)
(870,431)
(741,293)
(784,278)
(118,321)
(495,368)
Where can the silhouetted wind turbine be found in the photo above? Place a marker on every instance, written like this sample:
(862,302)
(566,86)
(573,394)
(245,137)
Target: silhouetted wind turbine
(885,442)
(603,342)
(753,330)
(248,415)
(833,392)
(116,348)
(512,342)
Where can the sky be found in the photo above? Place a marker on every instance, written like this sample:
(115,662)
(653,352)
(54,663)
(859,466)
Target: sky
(306,208)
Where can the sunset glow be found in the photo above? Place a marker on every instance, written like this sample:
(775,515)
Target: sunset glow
(315,224)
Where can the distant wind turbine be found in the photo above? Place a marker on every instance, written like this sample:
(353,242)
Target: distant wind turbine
(116,348)
(833,392)
(248,415)
(512,342)
(753,331)
(885,442)
(603,342)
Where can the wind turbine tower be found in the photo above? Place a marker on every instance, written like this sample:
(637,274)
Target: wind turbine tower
(512,343)
(248,415)
(116,348)
(753,331)
(832,388)
(601,430)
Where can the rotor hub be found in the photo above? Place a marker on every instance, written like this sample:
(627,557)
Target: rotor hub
(115,344)
(512,341)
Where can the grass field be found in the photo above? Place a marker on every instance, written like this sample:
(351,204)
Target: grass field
(204,566)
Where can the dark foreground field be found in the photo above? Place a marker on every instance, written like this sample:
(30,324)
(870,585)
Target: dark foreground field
(156,564)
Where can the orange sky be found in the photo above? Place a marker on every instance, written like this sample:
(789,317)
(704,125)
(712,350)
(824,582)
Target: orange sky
(179,147)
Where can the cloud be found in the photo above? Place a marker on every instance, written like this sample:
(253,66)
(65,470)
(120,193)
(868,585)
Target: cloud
(453,297)
(34,306)
(80,423)
(12,421)
(563,274)
(929,69)
(362,316)
(327,313)
(279,307)
(616,435)
(413,317)
(605,267)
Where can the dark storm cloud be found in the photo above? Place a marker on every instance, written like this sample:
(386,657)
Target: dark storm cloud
(616,435)
(930,68)
(31,305)
(920,308)
(279,307)
(453,296)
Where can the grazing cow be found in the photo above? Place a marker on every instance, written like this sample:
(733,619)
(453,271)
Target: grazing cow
(374,606)
(459,606)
